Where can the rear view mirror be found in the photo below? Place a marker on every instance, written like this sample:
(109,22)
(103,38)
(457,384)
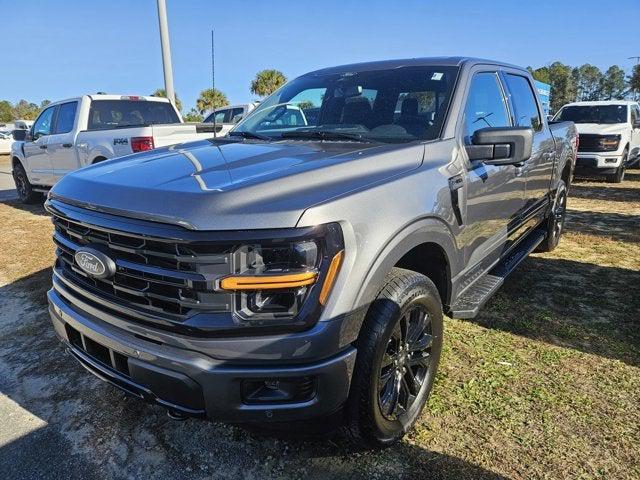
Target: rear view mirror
(501,145)
(636,124)
(19,135)
(348,91)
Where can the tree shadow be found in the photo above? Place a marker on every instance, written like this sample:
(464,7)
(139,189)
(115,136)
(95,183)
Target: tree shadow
(577,305)
(619,226)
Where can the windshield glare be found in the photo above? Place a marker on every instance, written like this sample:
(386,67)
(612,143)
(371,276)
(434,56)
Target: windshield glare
(594,114)
(395,105)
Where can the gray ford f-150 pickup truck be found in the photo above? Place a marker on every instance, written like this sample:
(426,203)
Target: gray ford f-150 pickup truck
(301,267)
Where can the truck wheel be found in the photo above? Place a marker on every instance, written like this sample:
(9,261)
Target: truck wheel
(618,176)
(398,352)
(554,224)
(23,186)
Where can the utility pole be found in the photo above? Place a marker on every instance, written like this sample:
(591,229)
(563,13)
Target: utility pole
(166,51)
(213,81)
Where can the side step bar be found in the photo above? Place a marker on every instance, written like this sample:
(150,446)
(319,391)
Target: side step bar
(472,300)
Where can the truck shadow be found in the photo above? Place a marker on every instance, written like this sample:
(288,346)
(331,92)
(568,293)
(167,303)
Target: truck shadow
(618,226)
(577,305)
(603,192)
(88,430)
(35,208)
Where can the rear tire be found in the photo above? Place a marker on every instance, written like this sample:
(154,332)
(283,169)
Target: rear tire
(618,176)
(398,353)
(24,187)
(554,223)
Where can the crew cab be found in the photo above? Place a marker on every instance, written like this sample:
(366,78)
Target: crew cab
(81,131)
(609,136)
(301,270)
(227,117)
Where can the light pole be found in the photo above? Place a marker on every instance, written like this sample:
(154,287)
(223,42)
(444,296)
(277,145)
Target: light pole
(166,51)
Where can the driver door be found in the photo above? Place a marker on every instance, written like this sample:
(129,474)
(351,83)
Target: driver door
(38,162)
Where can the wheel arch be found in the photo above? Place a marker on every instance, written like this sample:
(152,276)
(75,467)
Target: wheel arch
(426,246)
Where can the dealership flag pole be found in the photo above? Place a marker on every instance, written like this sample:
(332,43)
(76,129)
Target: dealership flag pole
(166,51)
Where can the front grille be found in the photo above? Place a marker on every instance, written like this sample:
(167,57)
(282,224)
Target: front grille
(158,277)
(590,142)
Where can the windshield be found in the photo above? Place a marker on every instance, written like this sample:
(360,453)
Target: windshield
(395,105)
(107,114)
(594,114)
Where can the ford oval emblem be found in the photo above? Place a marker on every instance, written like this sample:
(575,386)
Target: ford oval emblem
(95,263)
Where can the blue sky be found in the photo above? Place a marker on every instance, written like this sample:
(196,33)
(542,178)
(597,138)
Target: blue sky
(58,49)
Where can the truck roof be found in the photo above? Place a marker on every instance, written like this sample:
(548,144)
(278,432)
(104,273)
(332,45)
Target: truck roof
(602,102)
(412,62)
(102,96)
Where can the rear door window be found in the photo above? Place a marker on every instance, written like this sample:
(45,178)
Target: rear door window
(66,117)
(486,105)
(106,114)
(524,102)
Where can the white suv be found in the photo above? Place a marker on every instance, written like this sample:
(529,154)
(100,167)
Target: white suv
(609,136)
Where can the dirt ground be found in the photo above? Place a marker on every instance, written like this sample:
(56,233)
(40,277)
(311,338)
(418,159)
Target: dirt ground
(543,384)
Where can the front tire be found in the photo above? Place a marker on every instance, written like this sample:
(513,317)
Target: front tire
(618,176)
(23,186)
(398,353)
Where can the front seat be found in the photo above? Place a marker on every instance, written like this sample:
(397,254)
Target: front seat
(357,112)
(410,119)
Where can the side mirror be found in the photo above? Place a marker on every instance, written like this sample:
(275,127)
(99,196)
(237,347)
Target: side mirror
(501,145)
(636,124)
(19,135)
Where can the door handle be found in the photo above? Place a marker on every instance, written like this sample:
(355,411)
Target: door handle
(43,147)
(67,145)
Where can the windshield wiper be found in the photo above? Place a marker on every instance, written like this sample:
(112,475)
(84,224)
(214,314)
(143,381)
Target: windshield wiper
(251,135)
(326,135)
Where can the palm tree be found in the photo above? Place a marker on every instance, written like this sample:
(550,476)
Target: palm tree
(211,99)
(267,82)
(161,92)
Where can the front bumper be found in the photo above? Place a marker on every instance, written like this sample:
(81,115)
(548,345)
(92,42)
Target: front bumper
(598,163)
(189,383)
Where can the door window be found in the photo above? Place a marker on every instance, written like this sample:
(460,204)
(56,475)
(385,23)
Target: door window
(236,114)
(43,123)
(524,102)
(486,105)
(634,114)
(66,117)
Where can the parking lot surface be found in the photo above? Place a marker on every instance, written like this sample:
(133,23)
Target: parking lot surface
(543,384)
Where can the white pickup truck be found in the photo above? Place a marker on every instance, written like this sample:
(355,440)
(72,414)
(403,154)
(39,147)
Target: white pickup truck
(76,132)
(609,136)
(227,117)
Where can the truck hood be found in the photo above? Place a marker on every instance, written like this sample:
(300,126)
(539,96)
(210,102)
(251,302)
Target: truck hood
(228,185)
(602,129)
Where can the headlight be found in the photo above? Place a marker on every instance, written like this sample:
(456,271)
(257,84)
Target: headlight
(275,279)
(609,142)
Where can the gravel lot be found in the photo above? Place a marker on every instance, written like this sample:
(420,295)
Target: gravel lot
(544,384)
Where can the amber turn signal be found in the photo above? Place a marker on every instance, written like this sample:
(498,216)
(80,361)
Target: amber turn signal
(268,282)
(336,261)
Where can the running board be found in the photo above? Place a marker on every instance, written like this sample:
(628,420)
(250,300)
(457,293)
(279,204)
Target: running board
(41,189)
(472,300)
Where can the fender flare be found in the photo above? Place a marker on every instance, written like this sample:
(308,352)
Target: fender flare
(420,231)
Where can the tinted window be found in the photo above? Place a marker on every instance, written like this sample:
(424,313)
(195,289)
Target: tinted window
(106,114)
(485,106)
(593,114)
(44,122)
(524,102)
(236,114)
(634,114)
(370,104)
(66,117)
